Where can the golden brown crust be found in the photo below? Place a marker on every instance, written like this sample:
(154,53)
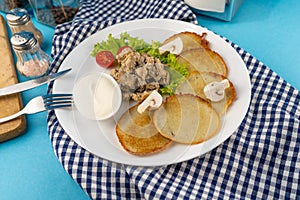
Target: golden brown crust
(195,83)
(188,37)
(186,119)
(143,146)
(203,60)
(192,58)
(149,140)
(219,61)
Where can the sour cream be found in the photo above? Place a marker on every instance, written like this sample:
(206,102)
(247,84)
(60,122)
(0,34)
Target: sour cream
(97,96)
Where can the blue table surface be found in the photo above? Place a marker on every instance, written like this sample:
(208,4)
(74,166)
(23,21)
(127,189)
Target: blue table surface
(29,169)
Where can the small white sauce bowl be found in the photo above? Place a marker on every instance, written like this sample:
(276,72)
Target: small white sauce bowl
(97,96)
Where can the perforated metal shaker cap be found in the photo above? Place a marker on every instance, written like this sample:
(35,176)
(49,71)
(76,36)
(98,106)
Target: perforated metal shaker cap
(23,40)
(17,16)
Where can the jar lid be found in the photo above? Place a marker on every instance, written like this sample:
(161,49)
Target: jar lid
(17,16)
(23,40)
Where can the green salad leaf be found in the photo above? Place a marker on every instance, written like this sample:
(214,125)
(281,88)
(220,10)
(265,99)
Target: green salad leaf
(177,71)
(113,44)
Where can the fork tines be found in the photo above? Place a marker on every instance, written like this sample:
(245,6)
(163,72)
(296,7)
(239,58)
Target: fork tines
(53,101)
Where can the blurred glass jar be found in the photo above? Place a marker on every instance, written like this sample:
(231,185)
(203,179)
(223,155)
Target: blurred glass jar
(19,20)
(32,61)
(54,12)
(7,5)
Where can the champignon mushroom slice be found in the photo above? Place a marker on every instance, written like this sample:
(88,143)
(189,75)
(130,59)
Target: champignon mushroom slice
(214,91)
(175,46)
(154,100)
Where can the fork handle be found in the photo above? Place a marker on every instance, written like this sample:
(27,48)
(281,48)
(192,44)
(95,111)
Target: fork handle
(8,118)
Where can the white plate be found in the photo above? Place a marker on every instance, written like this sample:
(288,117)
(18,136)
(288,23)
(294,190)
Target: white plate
(100,138)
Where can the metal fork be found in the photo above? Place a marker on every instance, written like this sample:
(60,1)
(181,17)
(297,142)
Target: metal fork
(42,103)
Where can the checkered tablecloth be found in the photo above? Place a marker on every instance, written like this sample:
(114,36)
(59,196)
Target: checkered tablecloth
(260,160)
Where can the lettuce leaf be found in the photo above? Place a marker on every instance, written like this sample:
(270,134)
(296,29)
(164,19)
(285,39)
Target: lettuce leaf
(113,44)
(177,71)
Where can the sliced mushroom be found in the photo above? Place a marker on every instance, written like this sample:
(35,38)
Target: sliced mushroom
(215,91)
(175,46)
(154,100)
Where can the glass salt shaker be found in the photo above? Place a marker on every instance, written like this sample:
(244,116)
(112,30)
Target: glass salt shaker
(32,61)
(19,20)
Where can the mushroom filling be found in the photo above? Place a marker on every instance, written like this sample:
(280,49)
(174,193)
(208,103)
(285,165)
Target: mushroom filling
(139,74)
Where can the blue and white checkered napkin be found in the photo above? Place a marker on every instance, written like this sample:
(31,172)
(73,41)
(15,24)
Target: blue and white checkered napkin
(260,160)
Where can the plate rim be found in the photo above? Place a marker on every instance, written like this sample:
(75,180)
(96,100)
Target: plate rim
(154,22)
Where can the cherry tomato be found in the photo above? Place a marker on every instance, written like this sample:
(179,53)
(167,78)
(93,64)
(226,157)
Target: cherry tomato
(123,49)
(105,59)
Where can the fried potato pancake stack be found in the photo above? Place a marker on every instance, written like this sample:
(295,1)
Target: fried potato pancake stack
(188,116)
